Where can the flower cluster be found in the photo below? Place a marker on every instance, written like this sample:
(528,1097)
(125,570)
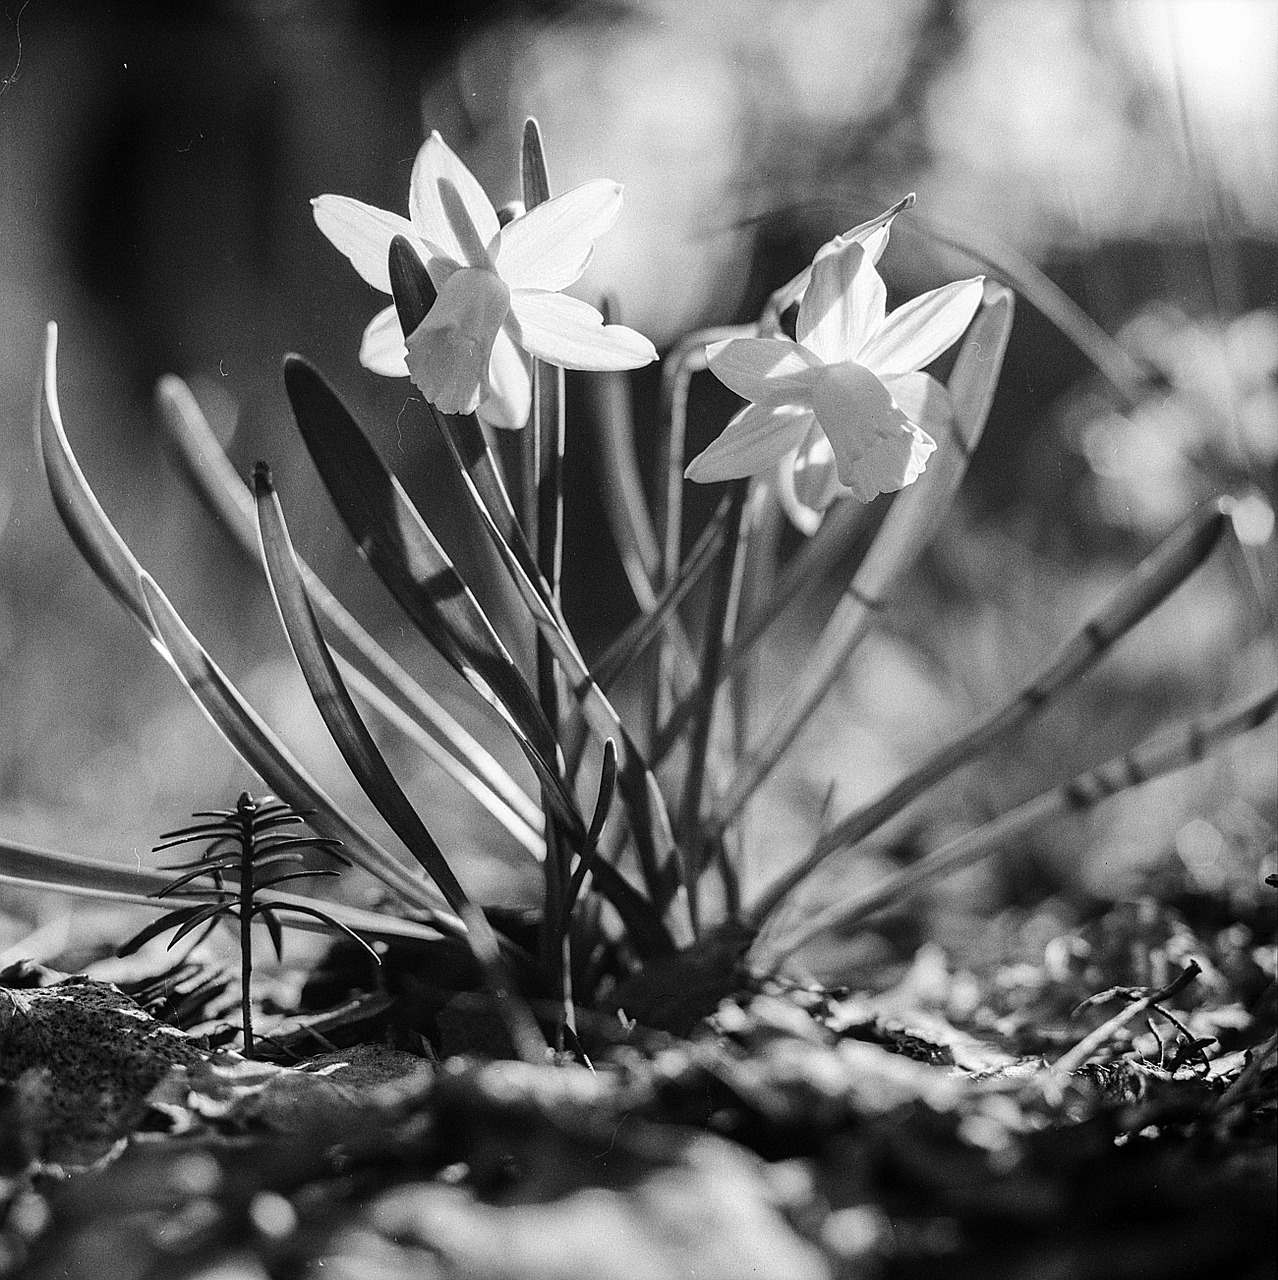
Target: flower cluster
(843,406)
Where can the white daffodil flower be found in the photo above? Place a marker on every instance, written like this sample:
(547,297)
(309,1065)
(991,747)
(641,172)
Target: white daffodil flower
(845,405)
(499,288)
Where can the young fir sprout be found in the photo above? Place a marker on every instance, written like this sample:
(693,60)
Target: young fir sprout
(249,849)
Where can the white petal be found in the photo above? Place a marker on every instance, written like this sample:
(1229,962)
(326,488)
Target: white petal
(570,333)
(756,438)
(509,399)
(876,241)
(806,519)
(436,161)
(449,352)
(769,371)
(856,411)
(916,333)
(382,349)
(363,234)
(815,476)
(924,401)
(871,236)
(843,306)
(551,245)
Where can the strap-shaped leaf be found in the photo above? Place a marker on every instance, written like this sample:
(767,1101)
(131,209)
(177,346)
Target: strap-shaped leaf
(397,543)
(603,802)
(649,821)
(846,525)
(677,370)
(720,615)
(473,454)
(391,691)
(631,643)
(393,537)
(544,442)
(1126,377)
(1146,587)
(1163,753)
(32,868)
(122,574)
(621,490)
(334,701)
(534,180)
(93,534)
(253,739)
(914,518)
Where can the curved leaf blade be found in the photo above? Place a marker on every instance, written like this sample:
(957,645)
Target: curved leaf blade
(629,646)
(119,570)
(252,738)
(1165,752)
(332,698)
(398,698)
(397,543)
(1146,587)
(32,868)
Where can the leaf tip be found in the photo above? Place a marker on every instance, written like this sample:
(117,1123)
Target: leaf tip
(411,285)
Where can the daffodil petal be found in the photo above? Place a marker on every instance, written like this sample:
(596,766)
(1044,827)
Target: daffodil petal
(876,241)
(815,476)
(871,236)
(382,349)
(363,234)
(509,398)
(808,481)
(855,410)
(437,161)
(771,371)
(570,333)
(552,244)
(756,438)
(843,307)
(449,352)
(806,519)
(916,333)
(924,401)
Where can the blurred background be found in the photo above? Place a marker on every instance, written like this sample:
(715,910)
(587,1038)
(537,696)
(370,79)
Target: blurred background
(156,167)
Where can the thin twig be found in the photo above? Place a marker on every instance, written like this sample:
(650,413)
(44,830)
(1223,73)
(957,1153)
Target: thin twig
(1079,1054)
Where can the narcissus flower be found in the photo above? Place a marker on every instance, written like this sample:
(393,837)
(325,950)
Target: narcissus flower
(845,405)
(499,288)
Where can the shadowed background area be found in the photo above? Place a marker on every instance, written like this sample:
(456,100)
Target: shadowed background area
(156,167)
